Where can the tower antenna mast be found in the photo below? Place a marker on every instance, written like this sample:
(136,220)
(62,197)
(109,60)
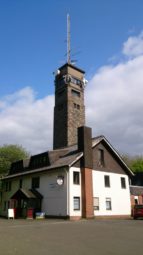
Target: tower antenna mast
(68,39)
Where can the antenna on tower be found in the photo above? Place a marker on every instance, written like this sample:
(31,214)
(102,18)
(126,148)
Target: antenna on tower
(68,39)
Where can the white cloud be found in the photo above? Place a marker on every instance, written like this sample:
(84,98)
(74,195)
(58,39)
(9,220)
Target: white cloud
(133,46)
(26,120)
(114,105)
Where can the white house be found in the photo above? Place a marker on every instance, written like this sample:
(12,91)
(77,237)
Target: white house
(85,180)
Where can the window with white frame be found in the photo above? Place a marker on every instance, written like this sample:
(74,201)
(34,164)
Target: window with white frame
(96,203)
(108,203)
(76,203)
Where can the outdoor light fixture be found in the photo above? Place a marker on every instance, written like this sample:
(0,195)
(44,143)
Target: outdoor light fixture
(60,180)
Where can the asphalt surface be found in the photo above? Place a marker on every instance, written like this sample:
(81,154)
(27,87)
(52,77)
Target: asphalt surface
(60,237)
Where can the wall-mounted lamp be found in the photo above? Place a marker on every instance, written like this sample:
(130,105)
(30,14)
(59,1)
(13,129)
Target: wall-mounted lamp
(60,180)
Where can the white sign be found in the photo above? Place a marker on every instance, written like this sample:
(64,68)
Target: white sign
(11,213)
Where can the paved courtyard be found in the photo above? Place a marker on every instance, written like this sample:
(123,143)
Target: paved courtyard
(59,237)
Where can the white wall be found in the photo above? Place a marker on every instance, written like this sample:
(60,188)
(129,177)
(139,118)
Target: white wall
(120,198)
(58,200)
(74,191)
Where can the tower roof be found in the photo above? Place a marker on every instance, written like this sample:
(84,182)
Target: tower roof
(72,66)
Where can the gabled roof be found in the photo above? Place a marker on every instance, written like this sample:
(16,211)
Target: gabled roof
(65,157)
(26,193)
(57,159)
(97,140)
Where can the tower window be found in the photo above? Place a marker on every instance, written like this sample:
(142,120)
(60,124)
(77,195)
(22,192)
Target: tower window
(76,81)
(75,93)
(76,106)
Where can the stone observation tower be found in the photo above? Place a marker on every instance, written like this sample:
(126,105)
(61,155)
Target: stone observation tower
(69,110)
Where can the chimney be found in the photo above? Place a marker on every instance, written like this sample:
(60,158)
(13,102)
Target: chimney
(85,146)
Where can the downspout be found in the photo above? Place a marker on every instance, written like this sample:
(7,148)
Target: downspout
(68,192)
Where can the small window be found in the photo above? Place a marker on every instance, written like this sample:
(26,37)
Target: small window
(123,183)
(75,93)
(76,81)
(76,203)
(107,181)
(108,204)
(101,157)
(76,106)
(76,177)
(35,182)
(96,203)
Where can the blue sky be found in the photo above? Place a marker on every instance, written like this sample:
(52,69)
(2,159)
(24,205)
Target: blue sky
(33,34)
(107,37)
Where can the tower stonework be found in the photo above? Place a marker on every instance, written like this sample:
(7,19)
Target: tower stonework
(69,110)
